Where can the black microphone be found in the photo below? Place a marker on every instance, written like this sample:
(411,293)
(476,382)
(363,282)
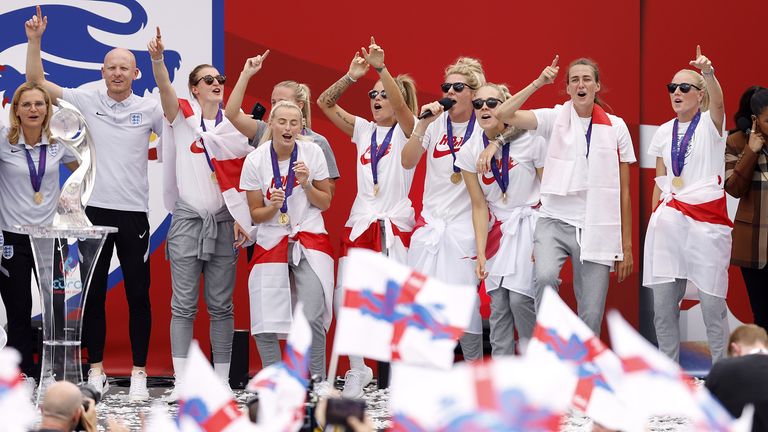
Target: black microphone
(447,103)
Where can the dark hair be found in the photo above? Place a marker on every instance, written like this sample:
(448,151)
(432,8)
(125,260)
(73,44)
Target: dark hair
(193,76)
(742,117)
(595,71)
(759,101)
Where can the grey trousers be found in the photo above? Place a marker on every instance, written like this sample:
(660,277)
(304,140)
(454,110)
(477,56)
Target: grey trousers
(666,319)
(309,291)
(219,284)
(555,240)
(510,310)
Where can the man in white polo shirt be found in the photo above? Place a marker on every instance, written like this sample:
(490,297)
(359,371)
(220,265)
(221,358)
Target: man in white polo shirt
(120,124)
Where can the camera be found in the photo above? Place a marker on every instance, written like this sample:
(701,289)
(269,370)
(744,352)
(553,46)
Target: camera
(87,391)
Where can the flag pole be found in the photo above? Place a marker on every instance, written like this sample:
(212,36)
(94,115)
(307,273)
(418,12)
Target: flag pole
(334,364)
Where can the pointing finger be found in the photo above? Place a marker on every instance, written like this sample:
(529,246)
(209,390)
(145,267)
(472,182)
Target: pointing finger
(158,33)
(264,56)
(698,51)
(39,12)
(554,62)
(373,41)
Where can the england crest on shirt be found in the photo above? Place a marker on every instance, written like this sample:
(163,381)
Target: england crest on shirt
(2,239)
(135,119)
(53,149)
(8,251)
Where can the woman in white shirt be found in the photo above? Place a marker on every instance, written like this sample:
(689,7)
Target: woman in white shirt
(382,216)
(688,242)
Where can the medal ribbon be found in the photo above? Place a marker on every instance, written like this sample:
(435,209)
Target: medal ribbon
(680,148)
(219,118)
(467,134)
(378,153)
(502,178)
(588,136)
(36,175)
(290,178)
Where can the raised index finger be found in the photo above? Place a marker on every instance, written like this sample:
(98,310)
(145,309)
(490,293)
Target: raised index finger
(39,13)
(698,51)
(554,62)
(373,41)
(263,56)
(158,33)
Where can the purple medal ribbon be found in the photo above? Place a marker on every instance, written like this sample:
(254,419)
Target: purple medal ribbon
(219,118)
(36,175)
(378,153)
(290,178)
(588,136)
(680,148)
(467,134)
(502,178)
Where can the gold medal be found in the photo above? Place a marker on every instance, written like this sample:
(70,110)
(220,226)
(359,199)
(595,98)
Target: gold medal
(455,178)
(677,182)
(213,177)
(38,197)
(283,219)
(504,197)
(375,189)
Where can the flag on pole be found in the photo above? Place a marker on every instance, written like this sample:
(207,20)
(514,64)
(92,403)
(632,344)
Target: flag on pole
(392,313)
(503,394)
(560,335)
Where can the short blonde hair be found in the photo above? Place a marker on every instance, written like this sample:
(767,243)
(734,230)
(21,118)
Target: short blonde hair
(14,130)
(748,334)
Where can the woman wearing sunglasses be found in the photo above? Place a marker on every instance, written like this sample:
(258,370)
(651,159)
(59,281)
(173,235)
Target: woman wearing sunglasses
(585,202)
(509,192)
(382,216)
(29,187)
(443,242)
(746,174)
(689,235)
(202,231)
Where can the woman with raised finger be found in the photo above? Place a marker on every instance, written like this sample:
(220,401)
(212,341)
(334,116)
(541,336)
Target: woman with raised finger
(203,228)
(286,181)
(382,216)
(443,242)
(585,201)
(688,241)
(510,193)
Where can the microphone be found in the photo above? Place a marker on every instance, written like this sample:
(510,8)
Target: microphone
(447,103)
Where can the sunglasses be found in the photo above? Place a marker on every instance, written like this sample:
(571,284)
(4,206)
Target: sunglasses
(684,87)
(208,79)
(373,93)
(490,102)
(458,87)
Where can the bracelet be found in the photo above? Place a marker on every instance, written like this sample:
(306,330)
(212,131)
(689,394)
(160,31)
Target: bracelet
(533,83)
(160,60)
(711,72)
(381,68)
(417,136)
(308,185)
(350,78)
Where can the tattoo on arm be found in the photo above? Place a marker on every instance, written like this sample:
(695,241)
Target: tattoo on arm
(510,133)
(334,92)
(345,119)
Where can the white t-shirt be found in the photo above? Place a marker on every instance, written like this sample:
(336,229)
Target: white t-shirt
(704,156)
(120,132)
(257,175)
(526,153)
(442,198)
(17,203)
(572,208)
(394,181)
(193,174)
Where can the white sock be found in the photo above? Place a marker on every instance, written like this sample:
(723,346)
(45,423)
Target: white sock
(222,371)
(356,363)
(178,367)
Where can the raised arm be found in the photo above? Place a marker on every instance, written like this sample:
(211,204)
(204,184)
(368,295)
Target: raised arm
(168,99)
(327,100)
(375,57)
(509,112)
(716,105)
(35,27)
(242,121)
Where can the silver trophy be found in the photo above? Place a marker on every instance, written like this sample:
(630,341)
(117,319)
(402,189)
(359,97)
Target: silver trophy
(65,255)
(69,128)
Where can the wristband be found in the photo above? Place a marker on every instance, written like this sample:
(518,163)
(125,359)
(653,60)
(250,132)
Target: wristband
(160,60)
(350,78)
(381,68)
(419,137)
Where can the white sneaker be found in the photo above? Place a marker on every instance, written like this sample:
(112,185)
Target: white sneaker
(355,381)
(98,381)
(325,389)
(138,390)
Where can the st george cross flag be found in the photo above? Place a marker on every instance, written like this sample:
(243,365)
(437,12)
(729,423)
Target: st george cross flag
(205,403)
(560,335)
(282,387)
(16,409)
(503,394)
(653,384)
(392,313)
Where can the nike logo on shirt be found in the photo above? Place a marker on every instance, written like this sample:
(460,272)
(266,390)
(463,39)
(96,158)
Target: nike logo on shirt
(15,150)
(491,180)
(141,236)
(101,114)
(442,149)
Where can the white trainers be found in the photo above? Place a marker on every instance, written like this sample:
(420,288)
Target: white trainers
(325,389)
(138,390)
(355,381)
(98,381)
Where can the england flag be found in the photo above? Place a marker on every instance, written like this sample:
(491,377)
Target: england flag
(16,408)
(503,394)
(560,335)
(392,313)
